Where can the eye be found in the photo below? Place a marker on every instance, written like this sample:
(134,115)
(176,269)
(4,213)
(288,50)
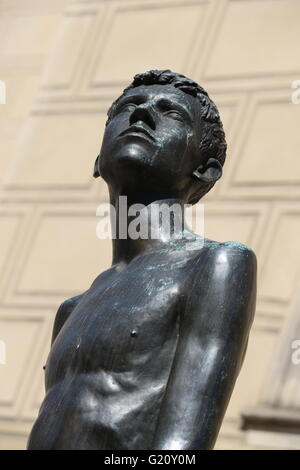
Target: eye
(127,107)
(172,113)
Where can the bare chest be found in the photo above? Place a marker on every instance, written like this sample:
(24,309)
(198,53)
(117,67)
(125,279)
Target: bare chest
(126,323)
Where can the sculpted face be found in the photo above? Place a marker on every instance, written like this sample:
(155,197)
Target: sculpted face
(152,140)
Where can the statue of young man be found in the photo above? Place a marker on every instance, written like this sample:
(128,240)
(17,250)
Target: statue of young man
(148,356)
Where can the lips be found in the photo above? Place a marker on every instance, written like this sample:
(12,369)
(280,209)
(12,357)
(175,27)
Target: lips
(138,130)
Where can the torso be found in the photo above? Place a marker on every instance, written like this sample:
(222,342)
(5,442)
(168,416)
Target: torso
(108,368)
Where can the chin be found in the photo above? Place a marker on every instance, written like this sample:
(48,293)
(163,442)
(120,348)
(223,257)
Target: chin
(126,158)
(140,150)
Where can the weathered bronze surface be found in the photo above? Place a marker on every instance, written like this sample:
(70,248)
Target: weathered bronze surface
(148,356)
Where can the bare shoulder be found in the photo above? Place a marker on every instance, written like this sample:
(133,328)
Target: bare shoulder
(223,286)
(70,303)
(225,267)
(63,313)
(233,254)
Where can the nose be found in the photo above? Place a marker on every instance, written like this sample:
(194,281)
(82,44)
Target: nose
(143,113)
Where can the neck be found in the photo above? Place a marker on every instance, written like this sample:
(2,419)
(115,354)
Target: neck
(141,223)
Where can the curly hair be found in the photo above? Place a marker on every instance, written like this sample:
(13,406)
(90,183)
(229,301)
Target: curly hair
(212,143)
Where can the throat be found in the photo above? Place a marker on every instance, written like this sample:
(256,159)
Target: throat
(138,228)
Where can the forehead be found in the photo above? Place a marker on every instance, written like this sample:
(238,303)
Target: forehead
(155,93)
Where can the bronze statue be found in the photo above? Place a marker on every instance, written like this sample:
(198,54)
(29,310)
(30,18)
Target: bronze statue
(148,356)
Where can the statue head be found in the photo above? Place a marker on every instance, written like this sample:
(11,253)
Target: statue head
(163,135)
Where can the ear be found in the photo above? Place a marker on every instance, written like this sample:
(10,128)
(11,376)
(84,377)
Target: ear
(209,172)
(96,168)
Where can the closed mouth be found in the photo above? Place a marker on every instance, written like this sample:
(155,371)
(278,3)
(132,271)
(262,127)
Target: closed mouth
(137,130)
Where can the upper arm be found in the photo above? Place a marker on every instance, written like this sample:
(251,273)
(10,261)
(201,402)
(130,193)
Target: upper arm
(213,337)
(222,300)
(221,304)
(63,314)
